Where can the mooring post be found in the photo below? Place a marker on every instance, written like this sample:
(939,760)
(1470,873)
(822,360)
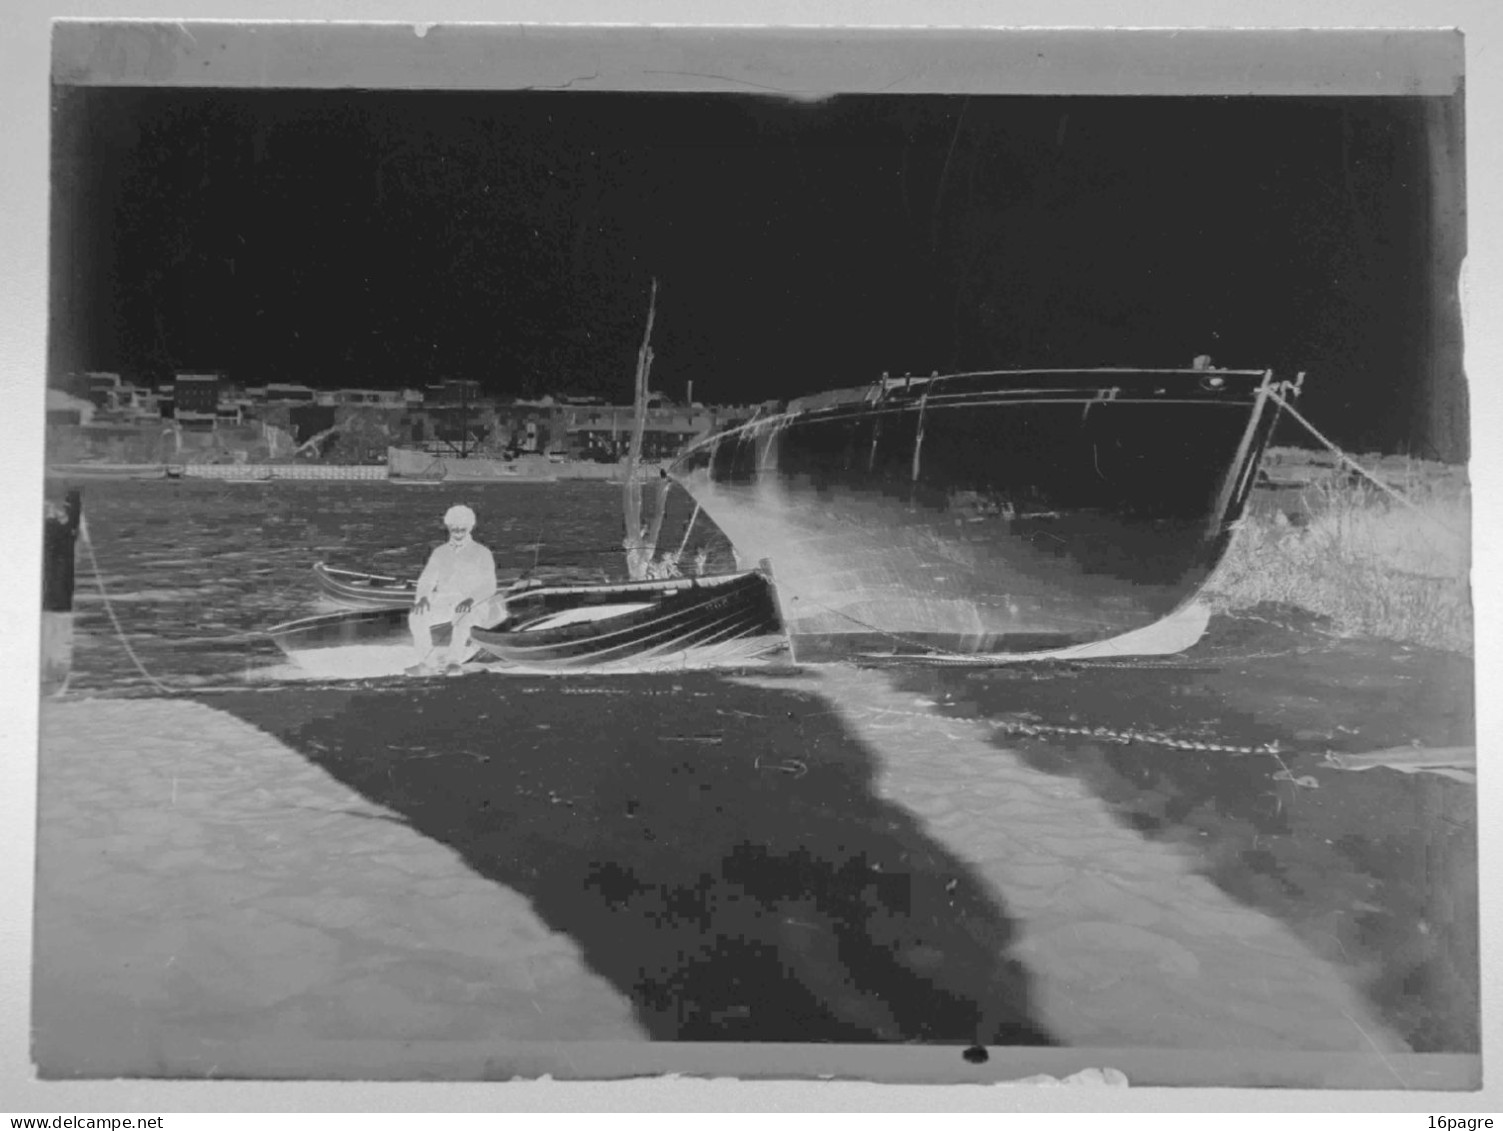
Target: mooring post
(59,539)
(59,542)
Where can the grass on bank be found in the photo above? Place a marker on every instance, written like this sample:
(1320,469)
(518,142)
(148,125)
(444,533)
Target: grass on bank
(1349,551)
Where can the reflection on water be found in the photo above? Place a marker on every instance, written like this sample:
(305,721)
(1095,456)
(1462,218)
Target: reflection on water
(195,568)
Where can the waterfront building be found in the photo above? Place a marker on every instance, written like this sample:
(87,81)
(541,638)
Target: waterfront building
(278,392)
(195,399)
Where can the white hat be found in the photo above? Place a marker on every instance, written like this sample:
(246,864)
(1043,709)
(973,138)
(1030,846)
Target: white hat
(459,516)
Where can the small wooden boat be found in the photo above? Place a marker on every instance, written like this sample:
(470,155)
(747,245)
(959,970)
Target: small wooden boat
(553,626)
(364,590)
(585,626)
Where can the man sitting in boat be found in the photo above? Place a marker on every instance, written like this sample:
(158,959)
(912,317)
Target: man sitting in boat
(458,584)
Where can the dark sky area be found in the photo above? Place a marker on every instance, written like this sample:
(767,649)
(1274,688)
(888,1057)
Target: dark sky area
(400,238)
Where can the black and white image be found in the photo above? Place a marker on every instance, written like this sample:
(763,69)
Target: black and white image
(573,569)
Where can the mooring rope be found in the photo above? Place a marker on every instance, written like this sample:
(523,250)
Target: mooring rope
(109,608)
(121,635)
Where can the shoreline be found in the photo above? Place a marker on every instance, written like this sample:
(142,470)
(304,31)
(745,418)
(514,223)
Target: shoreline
(569,471)
(1022,892)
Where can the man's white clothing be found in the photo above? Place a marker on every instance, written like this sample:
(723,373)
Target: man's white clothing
(455,572)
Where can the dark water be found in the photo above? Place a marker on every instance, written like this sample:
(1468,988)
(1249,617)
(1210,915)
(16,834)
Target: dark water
(1376,870)
(193,566)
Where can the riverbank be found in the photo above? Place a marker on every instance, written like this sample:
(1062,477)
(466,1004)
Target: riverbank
(1391,562)
(450,472)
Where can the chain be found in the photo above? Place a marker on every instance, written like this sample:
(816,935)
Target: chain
(1126,737)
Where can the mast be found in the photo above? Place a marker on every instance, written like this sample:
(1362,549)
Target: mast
(464,420)
(638,553)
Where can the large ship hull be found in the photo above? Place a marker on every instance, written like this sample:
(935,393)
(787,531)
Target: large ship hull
(988,513)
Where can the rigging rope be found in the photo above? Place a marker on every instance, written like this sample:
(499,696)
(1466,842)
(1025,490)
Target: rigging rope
(688,530)
(1337,452)
(1358,468)
(1419,511)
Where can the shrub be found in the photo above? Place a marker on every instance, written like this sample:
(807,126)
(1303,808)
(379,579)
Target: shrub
(1373,564)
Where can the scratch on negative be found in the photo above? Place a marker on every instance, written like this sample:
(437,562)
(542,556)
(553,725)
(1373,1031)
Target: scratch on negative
(735,81)
(1368,1037)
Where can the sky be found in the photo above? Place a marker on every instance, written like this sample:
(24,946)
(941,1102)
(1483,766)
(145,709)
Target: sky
(394,239)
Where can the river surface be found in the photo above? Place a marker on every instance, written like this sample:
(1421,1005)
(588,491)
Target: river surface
(1375,870)
(193,569)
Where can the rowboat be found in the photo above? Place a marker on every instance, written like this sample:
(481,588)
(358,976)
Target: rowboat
(364,590)
(989,513)
(553,627)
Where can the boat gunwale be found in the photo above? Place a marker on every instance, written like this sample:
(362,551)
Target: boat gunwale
(876,394)
(664,585)
(327,570)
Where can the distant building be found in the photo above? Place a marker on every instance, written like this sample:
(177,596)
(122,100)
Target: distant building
(132,403)
(195,399)
(533,426)
(102,387)
(279,393)
(64,408)
(453,391)
(604,432)
(308,420)
(376,398)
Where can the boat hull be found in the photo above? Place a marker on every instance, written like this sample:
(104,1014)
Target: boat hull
(364,590)
(556,627)
(988,513)
(632,623)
